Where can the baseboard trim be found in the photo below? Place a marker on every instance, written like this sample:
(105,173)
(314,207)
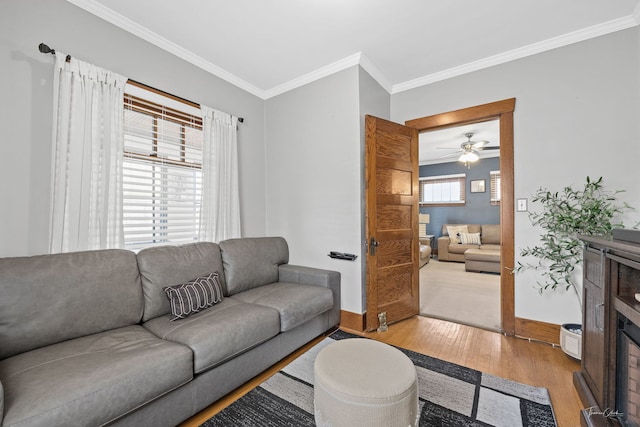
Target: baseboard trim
(353,322)
(536,330)
(524,328)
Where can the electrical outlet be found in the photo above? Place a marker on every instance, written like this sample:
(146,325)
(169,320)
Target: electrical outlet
(521,205)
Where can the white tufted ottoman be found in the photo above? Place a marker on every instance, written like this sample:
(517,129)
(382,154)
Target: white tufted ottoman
(362,382)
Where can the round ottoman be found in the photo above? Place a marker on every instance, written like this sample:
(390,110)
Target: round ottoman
(362,382)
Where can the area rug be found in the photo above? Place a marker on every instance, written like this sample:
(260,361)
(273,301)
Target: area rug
(449,395)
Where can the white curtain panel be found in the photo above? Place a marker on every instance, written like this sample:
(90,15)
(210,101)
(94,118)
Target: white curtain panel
(220,209)
(86,195)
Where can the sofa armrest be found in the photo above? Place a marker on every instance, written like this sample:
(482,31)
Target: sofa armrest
(315,277)
(443,248)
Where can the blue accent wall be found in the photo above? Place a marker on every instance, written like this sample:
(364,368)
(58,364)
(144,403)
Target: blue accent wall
(476,210)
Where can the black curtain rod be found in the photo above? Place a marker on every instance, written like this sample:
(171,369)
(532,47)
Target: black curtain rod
(43,48)
(46,49)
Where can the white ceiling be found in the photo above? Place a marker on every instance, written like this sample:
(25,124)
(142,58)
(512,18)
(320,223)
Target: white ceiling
(270,46)
(443,146)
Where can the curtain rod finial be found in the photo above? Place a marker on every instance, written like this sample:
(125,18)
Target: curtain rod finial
(46,49)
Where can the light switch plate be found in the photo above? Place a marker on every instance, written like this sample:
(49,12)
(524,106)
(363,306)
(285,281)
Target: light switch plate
(521,206)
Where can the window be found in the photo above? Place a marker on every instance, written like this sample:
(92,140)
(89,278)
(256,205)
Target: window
(162,169)
(495,187)
(443,189)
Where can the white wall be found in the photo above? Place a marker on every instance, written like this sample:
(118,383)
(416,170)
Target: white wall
(314,174)
(26,109)
(374,101)
(576,115)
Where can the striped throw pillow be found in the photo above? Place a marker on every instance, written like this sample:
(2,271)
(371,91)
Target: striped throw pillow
(196,295)
(469,238)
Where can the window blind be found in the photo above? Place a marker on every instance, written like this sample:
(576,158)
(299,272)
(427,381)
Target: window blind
(162,173)
(495,187)
(443,189)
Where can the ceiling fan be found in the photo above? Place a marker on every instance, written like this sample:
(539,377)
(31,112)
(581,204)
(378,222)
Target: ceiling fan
(469,150)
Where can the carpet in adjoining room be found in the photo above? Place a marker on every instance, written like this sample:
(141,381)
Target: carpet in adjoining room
(449,395)
(450,293)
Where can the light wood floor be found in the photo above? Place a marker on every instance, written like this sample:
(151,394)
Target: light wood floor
(519,360)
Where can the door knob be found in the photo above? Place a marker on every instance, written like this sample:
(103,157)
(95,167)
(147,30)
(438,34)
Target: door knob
(374,244)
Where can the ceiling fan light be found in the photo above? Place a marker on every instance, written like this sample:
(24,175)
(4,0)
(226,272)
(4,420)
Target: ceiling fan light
(468,157)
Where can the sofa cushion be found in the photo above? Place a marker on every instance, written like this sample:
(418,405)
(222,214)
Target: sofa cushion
(219,333)
(296,303)
(163,266)
(482,255)
(469,238)
(252,262)
(453,231)
(91,380)
(188,298)
(491,234)
(460,248)
(471,228)
(51,298)
(491,247)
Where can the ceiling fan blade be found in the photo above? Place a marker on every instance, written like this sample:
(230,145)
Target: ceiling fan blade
(446,148)
(488,148)
(447,155)
(479,144)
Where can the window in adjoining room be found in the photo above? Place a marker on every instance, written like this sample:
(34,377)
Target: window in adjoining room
(442,190)
(162,169)
(495,187)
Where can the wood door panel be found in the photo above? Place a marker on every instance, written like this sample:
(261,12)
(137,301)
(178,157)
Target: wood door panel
(394,199)
(394,252)
(393,181)
(393,149)
(394,283)
(392,131)
(393,143)
(394,217)
(392,163)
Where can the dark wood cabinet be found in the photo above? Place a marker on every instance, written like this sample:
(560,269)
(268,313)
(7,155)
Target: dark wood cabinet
(611,278)
(595,337)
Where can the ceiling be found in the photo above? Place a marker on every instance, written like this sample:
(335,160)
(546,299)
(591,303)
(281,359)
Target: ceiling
(268,47)
(437,144)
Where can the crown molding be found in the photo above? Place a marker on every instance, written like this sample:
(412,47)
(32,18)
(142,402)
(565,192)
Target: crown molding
(350,61)
(109,15)
(532,49)
(144,33)
(325,71)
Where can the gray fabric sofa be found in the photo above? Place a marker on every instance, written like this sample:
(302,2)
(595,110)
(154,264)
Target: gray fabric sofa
(86,340)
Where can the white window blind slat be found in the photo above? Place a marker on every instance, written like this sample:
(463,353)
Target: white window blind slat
(443,189)
(162,174)
(495,183)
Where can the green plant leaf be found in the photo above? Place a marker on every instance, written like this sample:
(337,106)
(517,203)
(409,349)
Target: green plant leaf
(564,216)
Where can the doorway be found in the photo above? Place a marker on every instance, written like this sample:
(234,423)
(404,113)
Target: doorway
(457,192)
(503,111)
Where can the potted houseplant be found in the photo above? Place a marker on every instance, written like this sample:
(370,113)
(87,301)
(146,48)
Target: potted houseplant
(564,216)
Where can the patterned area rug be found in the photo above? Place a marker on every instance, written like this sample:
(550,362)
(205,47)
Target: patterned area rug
(450,395)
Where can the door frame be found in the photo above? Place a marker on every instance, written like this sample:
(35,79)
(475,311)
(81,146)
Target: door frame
(502,110)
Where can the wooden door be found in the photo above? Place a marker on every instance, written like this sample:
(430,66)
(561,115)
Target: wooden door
(391,175)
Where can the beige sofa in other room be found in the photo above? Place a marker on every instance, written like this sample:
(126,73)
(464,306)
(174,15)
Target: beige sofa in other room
(425,251)
(452,250)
